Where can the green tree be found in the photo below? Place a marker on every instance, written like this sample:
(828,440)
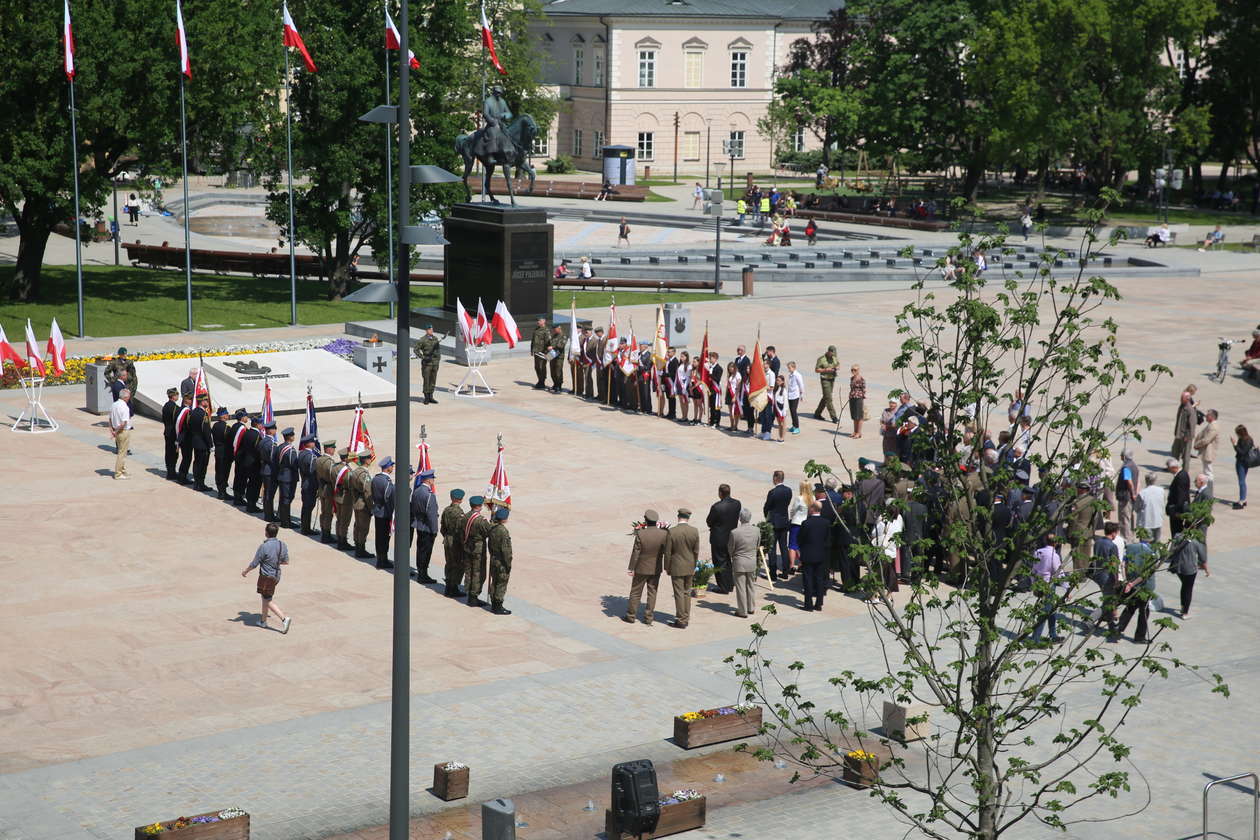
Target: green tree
(1233,81)
(1021,729)
(128,103)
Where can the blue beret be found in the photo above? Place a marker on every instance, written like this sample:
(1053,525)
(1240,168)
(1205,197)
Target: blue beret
(476,500)
(457,493)
(387,462)
(501,513)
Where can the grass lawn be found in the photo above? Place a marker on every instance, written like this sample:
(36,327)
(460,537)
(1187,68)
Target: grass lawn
(1188,216)
(121,300)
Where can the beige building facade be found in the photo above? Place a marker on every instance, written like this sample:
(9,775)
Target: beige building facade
(676,81)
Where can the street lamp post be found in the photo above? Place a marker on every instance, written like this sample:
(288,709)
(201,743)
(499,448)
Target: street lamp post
(730,144)
(708,151)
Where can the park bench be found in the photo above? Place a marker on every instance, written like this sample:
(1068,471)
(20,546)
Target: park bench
(1253,245)
(564,189)
(224,262)
(600,283)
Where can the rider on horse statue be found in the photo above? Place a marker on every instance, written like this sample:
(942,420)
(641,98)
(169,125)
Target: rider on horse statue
(494,140)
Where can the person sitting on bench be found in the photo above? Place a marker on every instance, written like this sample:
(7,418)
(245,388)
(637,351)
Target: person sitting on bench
(1158,236)
(1216,237)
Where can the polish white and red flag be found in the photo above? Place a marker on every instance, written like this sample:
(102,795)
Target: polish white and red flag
(505,325)
(293,39)
(67,38)
(57,348)
(360,440)
(393,41)
(612,319)
(487,40)
(34,358)
(499,491)
(482,328)
(185,66)
(268,413)
(8,352)
(465,321)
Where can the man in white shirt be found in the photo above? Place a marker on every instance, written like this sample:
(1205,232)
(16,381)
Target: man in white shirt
(120,428)
(1151,507)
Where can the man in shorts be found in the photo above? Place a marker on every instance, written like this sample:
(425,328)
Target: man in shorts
(269,557)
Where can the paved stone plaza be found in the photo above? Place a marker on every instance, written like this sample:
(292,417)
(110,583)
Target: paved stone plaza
(134,685)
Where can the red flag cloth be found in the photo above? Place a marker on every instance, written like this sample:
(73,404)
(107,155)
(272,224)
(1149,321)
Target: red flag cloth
(612,320)
(482,327)
(8,352)
(706,373)
(34,358)
(499,491)
(57,348)
(757,393)
(360,440)
(487,39)
(394,42)
(423,463)
(67,37)
(505,325)
(185,66)
(293,39)
(268,414)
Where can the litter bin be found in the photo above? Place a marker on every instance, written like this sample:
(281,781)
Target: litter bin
(747,276)
(498,820)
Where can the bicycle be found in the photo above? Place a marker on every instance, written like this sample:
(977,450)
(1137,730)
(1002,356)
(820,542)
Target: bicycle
(1222,361)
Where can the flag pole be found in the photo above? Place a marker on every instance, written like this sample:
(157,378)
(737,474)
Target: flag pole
(389,182)
(183,138)
(288,136)
(78,234)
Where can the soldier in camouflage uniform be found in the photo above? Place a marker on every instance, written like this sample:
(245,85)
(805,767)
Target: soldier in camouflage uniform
(538,344)
(361,492)
(326,474)
(475,527)
(499,542)
(825,367)
(559,342)
(120,368)
(451,527)
(429,352)
(343,497)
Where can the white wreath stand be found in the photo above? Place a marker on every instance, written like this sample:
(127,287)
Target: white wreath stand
(33,416)
(468,386)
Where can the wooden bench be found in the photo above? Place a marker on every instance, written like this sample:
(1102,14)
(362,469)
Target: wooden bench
(224,262)
(1253,245)
(598,283)
(563,189)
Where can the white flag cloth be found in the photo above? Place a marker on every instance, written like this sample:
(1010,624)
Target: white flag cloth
(505,325)
(464,320)
(34,358)
(185,66)
(57,348)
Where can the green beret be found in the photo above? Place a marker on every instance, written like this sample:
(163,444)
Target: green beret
(457,493)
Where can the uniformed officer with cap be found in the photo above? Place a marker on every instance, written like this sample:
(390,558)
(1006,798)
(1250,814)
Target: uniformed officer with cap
(343,497)
(382,492)
(222,451)
(325,472)
(170,410)
(306,457)
(826,367)
(198,432)
(647,559)
(499,543)
(429,352)
(475,526)
(361,493)
(244,457)
(682,550)
(267,470)
(121,373)
(286,476)
(424,519)
(451,526)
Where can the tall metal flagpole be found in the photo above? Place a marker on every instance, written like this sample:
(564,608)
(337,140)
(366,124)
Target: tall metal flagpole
(400,690)
(288,131)
(78,234)
(389,180)
(183,138)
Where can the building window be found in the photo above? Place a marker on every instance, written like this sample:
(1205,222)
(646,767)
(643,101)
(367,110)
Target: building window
(737,145)
(577,142)
(578,56)
(598,76)
(798,139)
(542,145)
(647,68)
(598,146)
(739,69)
(645,146)
(691,145)
(694,76)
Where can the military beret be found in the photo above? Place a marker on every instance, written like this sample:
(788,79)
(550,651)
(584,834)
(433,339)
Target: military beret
(308,438)
(426,475)
(386,462)
(122,351)
(288,430)
(684,512)
(650,515)
(241,414)
(831,348)
(476,500)
(864,462)
(222,412)
(501,514)
(170,392)
(428,326)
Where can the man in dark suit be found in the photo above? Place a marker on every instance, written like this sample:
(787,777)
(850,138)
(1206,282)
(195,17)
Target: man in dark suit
(170,410)
(183,439)
(669,375)
(310,482)
(1178,504)
(190,382)
(645,378)
(715,399)
(236,435)
(743,365)
(247,462)
(199,433)
(814,542)
(267,470)
(722,519)
(222,440)
(285,476)
(776,512)
(772,359)
(914,520)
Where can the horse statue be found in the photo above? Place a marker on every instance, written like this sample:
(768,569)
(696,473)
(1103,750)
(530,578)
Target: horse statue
(508,157)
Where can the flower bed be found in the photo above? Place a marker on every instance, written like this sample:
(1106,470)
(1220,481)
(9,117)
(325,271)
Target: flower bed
(712,726)
(683,810)
(228,824)
(450,780)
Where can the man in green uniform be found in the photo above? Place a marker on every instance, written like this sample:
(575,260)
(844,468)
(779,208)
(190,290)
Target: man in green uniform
(361,491)
(475,527)
(451,527)
(428,351)
(343,498)
(326,474)
(558,342)
(120,368)
(682,549)
(538,345)
(825,367)
(499,542)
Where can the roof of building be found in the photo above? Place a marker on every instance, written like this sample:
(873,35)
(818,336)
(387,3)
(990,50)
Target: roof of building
(782,9)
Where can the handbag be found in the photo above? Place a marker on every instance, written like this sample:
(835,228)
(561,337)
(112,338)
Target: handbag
(1253,457)
(866,413)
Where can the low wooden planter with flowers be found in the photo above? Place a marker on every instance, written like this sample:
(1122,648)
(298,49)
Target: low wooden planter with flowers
(450,780)
(682,810)
(228,824)
(861,769)
(712,726)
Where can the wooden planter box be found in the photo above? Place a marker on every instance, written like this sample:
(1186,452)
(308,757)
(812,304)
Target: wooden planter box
(683,816)
(237,828)
(450,784)
(689,734)
(860,774)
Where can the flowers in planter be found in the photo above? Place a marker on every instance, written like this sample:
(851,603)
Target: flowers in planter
(703,575)
(342,347)
(862,756)
(677,796)
(737,709)
(231,813)
(181,822)
(452,766)
(205,819)
(156,828)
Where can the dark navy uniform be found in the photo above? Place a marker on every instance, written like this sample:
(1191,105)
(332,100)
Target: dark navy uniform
(285,475)
(184,440)
(240,477)
(383,510)
(310,482)
(170,410)
(222,439)
(267,471)
(198,432)
(247,458)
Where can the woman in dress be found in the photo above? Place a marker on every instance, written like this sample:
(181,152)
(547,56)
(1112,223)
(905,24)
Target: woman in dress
(695,392)
(797,511)
(734,393)
(682,378)
(857,399)
(778,403)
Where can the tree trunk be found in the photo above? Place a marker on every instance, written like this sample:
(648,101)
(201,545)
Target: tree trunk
(988,802)
(1196,179)
(1223,179)
(971,183)
(1043,174)
(30,260)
